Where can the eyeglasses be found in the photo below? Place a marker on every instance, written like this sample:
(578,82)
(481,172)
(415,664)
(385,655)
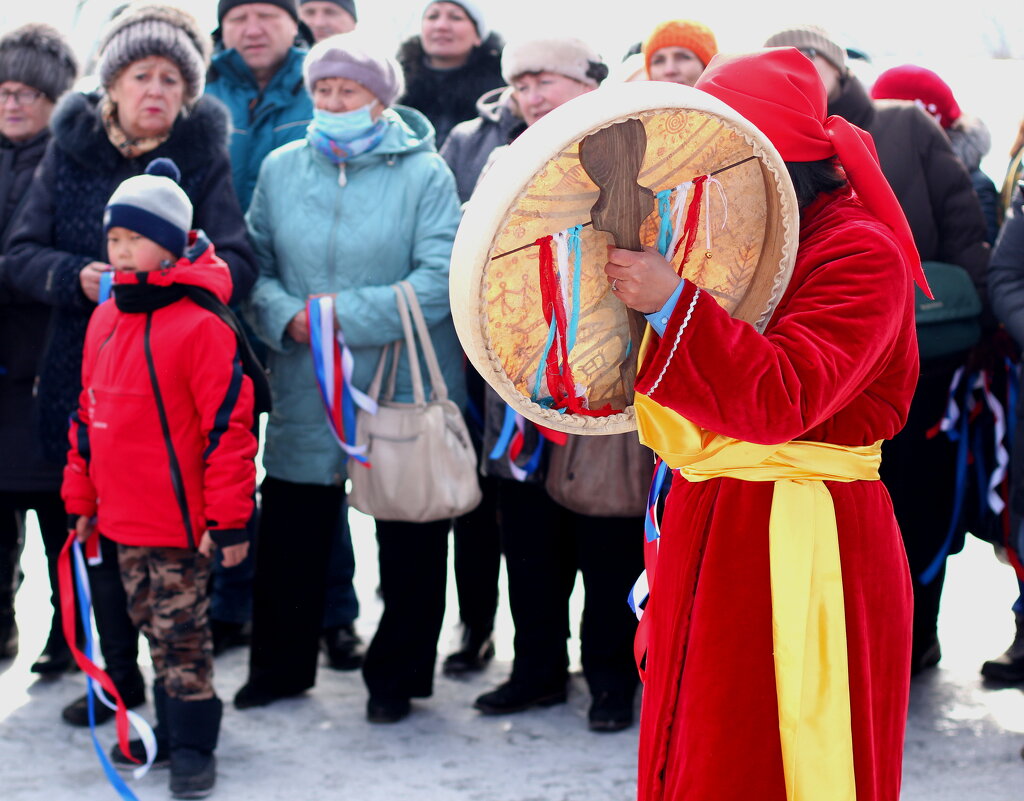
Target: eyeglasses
(21,97)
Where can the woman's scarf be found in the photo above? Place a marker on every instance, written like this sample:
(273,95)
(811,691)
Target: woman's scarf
(126,145)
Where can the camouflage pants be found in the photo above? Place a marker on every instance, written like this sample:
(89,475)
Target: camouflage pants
(168,601)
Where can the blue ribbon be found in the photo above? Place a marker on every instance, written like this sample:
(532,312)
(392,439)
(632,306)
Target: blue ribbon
(85,612)
(960,436)
(1012,395)
(508,429)
(106,286)
(665,212)
(652,528)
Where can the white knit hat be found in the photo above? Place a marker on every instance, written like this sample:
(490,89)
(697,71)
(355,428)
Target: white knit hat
(563,55)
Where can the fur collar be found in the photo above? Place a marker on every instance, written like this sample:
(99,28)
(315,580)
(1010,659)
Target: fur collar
(78,132)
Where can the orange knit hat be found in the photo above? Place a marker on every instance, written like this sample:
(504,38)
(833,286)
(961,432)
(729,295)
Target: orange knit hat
(681,33)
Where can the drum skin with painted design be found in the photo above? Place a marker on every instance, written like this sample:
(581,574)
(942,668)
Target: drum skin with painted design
(746,241)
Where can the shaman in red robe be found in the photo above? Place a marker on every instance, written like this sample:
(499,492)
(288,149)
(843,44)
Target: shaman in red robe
(838,364)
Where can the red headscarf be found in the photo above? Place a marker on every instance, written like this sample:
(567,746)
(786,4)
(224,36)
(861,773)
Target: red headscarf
(780,92)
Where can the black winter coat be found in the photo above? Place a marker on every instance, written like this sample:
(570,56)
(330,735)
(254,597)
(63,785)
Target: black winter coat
(59,230)
(23,324)
(929,181)
(448,97)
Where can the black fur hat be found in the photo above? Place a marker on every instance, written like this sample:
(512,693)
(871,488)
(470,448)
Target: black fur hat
(39,56)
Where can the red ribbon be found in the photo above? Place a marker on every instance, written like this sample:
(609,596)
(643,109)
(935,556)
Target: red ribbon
(561,383)
(691,222)
(90,668)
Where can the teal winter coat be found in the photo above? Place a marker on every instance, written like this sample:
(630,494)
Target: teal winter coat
(395,218)
(261,120)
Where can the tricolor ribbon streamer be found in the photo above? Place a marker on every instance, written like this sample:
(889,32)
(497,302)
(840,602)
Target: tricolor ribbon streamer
(513,438)
(640,592)
(333,365)
(98,683)
(968,394)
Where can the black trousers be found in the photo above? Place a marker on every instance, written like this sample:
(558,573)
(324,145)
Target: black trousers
(545,545)
(400,661)
(920,473)
(296,529)
(119,639)
(478,561)
(49,509)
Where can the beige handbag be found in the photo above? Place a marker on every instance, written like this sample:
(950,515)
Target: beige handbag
(424,467)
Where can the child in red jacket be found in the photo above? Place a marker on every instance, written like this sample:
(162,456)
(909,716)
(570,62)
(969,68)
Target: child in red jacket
(162,453)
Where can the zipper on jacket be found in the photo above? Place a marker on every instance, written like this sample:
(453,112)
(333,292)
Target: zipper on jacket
(177,482)
(332,271)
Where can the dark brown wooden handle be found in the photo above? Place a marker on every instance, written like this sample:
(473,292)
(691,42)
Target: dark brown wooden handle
(612,157)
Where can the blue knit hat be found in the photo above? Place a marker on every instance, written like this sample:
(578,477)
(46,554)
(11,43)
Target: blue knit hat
(153,205)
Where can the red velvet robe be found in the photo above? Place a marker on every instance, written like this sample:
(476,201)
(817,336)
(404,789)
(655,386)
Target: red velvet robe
(837,363)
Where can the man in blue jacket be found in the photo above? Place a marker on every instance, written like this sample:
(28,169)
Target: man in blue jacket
(258,76)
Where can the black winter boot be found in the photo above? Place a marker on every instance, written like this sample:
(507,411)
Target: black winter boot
(8,636)
(10,550)
(133,692)
(193,727)
(56,656)
(1009,667)
(136,747)
(475,651)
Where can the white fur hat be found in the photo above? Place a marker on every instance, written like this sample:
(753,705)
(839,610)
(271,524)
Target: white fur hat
(563,55)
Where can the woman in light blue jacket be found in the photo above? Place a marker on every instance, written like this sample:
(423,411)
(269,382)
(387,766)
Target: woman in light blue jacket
(361,203)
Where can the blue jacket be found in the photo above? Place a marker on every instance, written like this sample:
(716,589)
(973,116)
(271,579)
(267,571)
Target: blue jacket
(395,218)
(262,120)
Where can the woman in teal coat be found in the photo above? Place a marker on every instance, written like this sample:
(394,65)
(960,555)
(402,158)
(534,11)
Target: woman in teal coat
(361,203)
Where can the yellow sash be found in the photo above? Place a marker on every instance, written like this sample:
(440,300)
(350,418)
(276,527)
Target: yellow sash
(808,618)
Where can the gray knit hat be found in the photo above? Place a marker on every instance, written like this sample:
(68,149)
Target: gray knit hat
(153,205)
(562,55)
(473,11)
(350,55)
(147,30)
(810,37)
(38,56)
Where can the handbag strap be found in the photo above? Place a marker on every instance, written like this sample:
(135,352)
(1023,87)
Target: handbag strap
(418,394)
(373,391)
(439,389)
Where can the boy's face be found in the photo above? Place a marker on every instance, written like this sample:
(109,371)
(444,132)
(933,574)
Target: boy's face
(132,252)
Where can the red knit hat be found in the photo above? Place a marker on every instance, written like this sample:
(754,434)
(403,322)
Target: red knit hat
(681,33)
(921,85)
(780,92)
